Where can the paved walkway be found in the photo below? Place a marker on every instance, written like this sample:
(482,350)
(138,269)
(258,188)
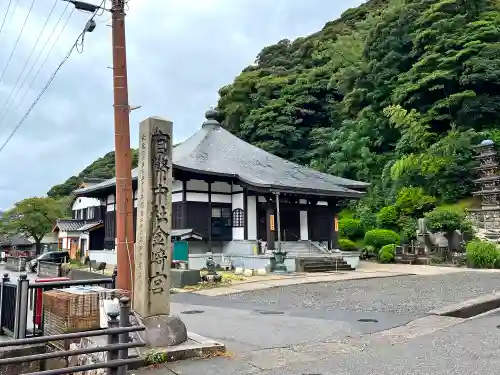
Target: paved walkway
(367,270)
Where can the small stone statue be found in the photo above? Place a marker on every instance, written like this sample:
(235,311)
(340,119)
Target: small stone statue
(212,274)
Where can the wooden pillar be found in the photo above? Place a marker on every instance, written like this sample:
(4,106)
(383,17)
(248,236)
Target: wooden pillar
(184,205)
(209,216)
(333,235)
(245,213)
(270,227)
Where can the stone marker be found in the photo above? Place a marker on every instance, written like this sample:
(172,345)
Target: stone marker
(153,243)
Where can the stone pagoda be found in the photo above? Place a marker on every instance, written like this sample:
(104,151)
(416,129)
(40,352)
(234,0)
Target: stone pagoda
(487,218)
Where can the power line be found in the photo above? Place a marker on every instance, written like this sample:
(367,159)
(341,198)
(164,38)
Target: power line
(73,47)
(37,58)
(7,102)
(17,40)
(5,17)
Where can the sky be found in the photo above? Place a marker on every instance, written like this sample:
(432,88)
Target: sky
(180,52)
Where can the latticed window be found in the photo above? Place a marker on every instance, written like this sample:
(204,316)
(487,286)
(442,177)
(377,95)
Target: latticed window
(238,218)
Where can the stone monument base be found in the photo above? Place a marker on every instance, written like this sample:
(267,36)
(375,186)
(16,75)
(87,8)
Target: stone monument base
(163,331)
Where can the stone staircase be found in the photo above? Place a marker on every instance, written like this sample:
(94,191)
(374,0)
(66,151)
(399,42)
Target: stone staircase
(322,264)
(300,249)
(313,257)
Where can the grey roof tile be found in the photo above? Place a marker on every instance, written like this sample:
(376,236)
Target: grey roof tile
(214,150)
(15,240)
(89,226)
(69,225)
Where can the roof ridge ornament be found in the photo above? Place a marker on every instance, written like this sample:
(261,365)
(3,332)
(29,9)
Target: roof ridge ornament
(211,116)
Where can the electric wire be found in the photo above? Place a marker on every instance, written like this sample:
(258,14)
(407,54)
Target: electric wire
(17,41)
(36,60)
(52,77)
(7,102)
(5,17)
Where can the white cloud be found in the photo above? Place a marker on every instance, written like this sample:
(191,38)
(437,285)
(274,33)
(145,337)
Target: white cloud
(180,52)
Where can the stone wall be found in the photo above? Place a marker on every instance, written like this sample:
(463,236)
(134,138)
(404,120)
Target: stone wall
(24,367)
(49,269)
(16,264)
(486,218)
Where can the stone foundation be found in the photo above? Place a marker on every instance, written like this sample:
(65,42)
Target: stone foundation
(486,222)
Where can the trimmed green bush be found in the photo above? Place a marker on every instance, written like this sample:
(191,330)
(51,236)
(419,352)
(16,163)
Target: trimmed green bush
(482,254)
(381,237)
(351,229)
(388,218)
(347,245)
(387,253)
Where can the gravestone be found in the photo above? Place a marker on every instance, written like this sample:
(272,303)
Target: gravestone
(153,247)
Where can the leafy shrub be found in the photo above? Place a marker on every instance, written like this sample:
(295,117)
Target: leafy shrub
(351,229)
(388,217)
(446,220)
(408,228)
(381,237)
(413,202)
(347,245)
(367,218)
(387,253)
(482,254)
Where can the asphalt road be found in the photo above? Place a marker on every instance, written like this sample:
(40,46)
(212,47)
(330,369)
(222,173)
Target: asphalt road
(316,328)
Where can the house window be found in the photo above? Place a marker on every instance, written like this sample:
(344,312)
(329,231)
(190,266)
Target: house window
(221,212)
(238,218)
(221,222)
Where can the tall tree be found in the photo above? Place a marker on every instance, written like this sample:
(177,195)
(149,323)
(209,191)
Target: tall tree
(32,217)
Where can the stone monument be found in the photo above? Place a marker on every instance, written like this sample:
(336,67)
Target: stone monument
(153,246)
(487,218)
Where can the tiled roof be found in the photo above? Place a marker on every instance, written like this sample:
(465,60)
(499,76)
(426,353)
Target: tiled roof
(89,226)
(213,150)
(187,233)
(69,225)
(14,240)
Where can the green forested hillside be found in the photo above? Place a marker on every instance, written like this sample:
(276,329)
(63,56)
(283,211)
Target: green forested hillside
(395,93)
(103,168)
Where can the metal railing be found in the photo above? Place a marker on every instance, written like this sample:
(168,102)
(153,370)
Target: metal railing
(19,300)
(118,344)
(8,295)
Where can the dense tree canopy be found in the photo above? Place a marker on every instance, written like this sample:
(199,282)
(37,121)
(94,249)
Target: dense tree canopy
(102,168)
(395,93)
(32,217)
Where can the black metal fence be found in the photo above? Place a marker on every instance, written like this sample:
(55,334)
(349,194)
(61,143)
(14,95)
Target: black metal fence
(118,345)
(8,292)
(21,313)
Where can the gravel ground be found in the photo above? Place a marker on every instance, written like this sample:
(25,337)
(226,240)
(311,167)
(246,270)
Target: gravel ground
(401,295)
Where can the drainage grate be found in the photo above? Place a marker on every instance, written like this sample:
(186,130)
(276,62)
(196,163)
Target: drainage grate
(189,312)
(368,320)
(268,312)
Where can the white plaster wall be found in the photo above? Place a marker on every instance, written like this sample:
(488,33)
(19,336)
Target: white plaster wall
(108,256)
(176,197)
(85,202)
(221,187)
(220,198)
(176,186)
(321,203)
(110,203)
(304,229)
(198,185)
(196,197)
(252,218)
(261,199)
(237,202)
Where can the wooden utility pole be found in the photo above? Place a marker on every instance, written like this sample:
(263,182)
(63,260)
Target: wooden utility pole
(123,157)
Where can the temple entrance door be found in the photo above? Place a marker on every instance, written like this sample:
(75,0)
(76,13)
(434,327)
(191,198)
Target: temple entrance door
(290,224)
(261,224)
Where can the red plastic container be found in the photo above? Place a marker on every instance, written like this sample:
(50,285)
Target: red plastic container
(38,297)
